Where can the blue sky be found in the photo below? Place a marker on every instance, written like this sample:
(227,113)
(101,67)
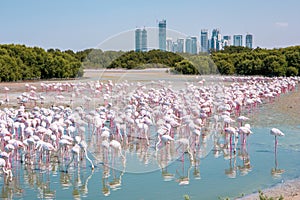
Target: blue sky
(81,24)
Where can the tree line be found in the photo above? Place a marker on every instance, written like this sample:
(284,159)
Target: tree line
(265,62)
(230,61)
(141,60)
(18,62)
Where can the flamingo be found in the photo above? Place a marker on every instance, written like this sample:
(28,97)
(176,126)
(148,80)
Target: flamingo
(277,133)
(4,169)
(80,145)
(244,131)
(116,145)
(232,132)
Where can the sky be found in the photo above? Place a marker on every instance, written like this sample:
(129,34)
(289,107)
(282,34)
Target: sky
(82,24)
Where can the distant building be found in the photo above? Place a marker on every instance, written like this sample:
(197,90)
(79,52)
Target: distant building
(144,40)
(180,45)
(204,40)
(194,45)
(162,28)
(191,45)
(237,40)
(249,41)
(140,40)
(226,40)
(169,46)
(174,47)
(188,45)
(216,40)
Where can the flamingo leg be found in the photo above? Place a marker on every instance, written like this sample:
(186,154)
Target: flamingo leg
(275,149)
(86,156)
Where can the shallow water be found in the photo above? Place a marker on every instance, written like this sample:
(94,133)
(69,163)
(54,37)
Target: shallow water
(210,181)
(151,175)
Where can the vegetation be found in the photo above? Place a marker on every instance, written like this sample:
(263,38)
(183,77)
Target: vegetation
(134,59)
(262,196)
(186,197)
(154,58)
(245,61)
(18,62)
(202,62)
(96,58)
(230,61)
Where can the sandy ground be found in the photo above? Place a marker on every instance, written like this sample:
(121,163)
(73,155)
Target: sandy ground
(290,190)
(287,105)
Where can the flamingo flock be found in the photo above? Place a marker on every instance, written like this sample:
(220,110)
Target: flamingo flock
(67,123)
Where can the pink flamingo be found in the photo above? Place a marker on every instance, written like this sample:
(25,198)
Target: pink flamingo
(4,168)
(277,133)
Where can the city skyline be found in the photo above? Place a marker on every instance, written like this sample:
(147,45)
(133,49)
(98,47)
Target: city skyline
(80,25)
(190,44)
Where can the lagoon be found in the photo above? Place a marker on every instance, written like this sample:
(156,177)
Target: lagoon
(213,175)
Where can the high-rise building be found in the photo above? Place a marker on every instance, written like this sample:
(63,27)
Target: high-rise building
(169,46)
(194,45)
(204,40)
(216,41)
(249,40)
(227,40)
(188,45)
(237,40)
(144,40)
(191,45)
(138,39)
(180,47)
(174,47)
(162,28)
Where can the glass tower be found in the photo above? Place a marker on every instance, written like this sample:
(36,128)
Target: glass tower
(138,39)
(249,41)
(162,26)
(215,40)
(204,40)
(226,40)
(237,40)
(191,45)
(188,45)
(180,43)
(169,44)
(144,40)
(194,45)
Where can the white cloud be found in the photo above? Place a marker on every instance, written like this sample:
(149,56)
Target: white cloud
(282,24)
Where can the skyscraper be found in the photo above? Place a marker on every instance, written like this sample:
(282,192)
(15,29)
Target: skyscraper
(191,45)
(138,39)
(169,44)
(237,40)
(194,45)
(249,40)
(204,40)
(180,43)
(162,28)
(216,43)
(188,45)
(227,40)
(144,40)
